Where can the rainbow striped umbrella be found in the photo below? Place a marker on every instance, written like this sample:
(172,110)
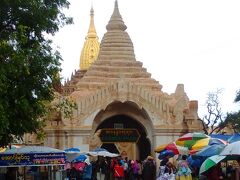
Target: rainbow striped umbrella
(189,139)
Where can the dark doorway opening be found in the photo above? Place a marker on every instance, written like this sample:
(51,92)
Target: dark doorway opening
(110,147)
(126,122)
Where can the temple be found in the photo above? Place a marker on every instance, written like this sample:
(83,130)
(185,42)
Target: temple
(120,107)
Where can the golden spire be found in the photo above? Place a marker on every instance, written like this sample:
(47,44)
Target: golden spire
(91,45)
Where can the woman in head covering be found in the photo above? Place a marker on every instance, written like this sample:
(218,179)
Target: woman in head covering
(149,169)
(183,172)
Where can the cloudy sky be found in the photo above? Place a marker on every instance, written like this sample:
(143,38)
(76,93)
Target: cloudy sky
(190,42)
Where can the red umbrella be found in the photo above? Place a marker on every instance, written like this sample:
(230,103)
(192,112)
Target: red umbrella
(173,147)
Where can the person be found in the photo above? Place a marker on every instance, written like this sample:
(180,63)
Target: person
(135,169)
(214,173)
(183,170)
(87,172)
(169,172)
(118,171)
(162,166)
(149,169)
(237,170)
(139,169)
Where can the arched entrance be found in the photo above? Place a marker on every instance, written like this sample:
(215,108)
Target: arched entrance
(127,146)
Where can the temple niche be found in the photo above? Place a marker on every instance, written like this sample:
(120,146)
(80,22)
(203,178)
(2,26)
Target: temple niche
(114,93)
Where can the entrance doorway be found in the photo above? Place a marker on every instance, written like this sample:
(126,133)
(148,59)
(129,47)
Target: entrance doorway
(141,148)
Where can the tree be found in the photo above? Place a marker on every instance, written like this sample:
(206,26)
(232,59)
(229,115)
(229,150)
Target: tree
(28,64)
(233,118)
(213,120)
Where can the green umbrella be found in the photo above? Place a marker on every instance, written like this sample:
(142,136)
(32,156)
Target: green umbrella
(210,162)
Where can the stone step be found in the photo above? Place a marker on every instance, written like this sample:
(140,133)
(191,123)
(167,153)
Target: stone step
(117,74)
(117,68)
(116,57)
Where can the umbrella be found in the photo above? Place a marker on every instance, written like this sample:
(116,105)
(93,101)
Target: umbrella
(80,158)
(72,153)
(98,149)
(206,142)
(194,162)
(231,150)
(210,162)
(165,153)
(102,152)
(3,149)
(209,151)
(234,138)
(172,146)
(189,139)
(187,143)
(72,150)
(192,136)
(33,156)
(32,150)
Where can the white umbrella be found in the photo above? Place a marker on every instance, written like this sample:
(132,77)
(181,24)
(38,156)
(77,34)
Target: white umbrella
(102,152)
(232,149)
(33,149)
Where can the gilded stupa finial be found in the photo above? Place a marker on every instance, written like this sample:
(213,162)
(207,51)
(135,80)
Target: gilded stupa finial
(91,45)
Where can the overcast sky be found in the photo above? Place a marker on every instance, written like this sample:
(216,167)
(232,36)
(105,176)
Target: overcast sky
(190,42)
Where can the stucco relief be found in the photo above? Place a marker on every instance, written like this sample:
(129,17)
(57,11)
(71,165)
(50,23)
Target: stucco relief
(162,108)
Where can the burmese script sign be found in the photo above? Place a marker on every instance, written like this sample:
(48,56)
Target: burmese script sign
(119,135)
(32,159)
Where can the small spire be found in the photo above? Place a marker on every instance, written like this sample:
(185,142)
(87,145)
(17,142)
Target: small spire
(116,22)
(91,31)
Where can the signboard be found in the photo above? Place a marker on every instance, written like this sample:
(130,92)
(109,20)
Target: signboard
(119,135)
(33,159)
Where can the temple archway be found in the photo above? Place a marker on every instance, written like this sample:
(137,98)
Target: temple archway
(126,119)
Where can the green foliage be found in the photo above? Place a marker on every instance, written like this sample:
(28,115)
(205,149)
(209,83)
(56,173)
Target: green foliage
(233,118)
(237,98)
(28,64)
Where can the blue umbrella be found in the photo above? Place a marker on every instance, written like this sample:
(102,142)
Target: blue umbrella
(234,138)
(72,153)
(165,153)
(72,150)
(209,151)
(194,162)
(80,158)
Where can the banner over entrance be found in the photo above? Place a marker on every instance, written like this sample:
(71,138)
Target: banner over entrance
(119,135)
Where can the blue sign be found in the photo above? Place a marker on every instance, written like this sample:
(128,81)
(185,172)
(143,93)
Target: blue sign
(33,159)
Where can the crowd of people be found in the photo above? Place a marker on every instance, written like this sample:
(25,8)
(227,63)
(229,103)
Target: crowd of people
(118,168)
(183,170)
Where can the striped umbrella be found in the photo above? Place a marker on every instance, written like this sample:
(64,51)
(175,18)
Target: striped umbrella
(173,147)
(210,162)
(200,144)
(189,139)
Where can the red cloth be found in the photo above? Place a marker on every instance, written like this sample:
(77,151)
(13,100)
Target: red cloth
(79,166)
(118,171)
